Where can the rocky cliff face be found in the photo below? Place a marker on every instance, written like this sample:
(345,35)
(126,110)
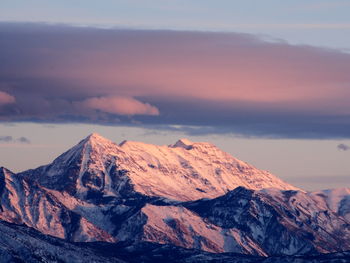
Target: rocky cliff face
(279,222)
(191,195)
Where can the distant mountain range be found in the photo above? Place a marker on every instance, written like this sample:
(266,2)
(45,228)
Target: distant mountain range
(186,202)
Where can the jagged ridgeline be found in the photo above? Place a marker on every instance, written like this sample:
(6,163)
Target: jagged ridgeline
(190,195)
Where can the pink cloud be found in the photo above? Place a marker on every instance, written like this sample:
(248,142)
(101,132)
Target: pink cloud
(119,105)
(6,98)
(219,67)
(207,79)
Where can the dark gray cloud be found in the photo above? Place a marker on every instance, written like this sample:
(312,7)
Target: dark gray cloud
(197,82)
(343,147)
(10,139)
(23,140)
(6,139)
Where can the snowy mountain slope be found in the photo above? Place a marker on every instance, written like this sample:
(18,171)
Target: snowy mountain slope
(135,192)
(279,222)
(337,200)
(189,171)
(179,226)
(183,171)
(26,202)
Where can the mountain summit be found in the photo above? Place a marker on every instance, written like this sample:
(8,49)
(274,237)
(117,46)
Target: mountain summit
(183,171)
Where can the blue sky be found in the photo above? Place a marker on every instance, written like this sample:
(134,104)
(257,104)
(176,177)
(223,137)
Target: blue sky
(288,60)
(193,12)
(313,22)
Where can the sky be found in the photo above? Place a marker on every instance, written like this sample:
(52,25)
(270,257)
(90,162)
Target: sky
(267,81)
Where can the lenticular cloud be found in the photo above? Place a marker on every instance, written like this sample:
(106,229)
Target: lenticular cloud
(218,82)
(119,105)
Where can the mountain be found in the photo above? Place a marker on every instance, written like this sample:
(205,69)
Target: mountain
(190,195)
(183,171)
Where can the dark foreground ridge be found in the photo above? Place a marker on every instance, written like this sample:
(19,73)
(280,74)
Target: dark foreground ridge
(23,244)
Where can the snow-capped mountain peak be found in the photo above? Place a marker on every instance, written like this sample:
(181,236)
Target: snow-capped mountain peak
(95,138)
(183,171)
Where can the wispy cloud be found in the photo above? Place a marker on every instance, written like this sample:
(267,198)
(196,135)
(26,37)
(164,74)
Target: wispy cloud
(10,139)
(6,139)
(6,98)
(23,140)
(343,147)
